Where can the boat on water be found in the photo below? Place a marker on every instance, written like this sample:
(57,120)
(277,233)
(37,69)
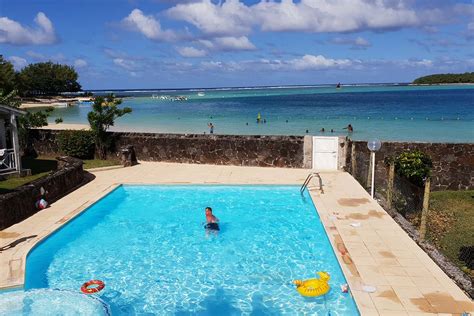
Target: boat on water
(338,86)
(169,97)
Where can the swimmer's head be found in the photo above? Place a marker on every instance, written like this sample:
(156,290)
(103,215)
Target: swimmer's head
(208,210)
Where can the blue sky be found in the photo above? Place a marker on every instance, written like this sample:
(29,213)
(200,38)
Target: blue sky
(192,43)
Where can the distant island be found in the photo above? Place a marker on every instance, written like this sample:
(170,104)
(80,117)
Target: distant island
(467,77)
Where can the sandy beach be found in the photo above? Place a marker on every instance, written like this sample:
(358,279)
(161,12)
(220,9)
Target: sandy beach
(53,102)
(66,126)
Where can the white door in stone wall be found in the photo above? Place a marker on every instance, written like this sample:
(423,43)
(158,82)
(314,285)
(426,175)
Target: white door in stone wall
(325,152)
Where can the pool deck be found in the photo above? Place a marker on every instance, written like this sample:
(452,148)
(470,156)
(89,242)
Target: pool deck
(371,248)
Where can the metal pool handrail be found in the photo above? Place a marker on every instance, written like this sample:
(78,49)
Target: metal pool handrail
(308,180)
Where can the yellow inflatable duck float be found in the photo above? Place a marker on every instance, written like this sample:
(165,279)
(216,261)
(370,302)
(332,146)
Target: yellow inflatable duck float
(313,287)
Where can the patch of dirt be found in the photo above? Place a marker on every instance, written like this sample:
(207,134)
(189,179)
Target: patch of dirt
(438,224)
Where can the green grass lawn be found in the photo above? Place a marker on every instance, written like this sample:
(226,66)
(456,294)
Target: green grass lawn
(452,222)
(43,165)
(96,163)
(39,168)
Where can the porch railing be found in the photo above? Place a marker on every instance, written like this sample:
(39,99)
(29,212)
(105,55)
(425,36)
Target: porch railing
(7,160)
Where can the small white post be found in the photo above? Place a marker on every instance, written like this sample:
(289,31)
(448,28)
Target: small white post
(15,141)
(372,157)
(373,145)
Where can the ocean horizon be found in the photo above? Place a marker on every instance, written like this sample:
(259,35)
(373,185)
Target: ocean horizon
(390,112)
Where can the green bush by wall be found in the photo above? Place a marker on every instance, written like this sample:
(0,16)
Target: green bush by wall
(79,144)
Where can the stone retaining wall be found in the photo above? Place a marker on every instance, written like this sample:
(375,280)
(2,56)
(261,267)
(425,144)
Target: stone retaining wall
(453,164)
(20,204)
(262,151)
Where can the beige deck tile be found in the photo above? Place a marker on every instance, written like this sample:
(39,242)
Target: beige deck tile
(369,312)
(393,271)
(386,299)
(417,271)
(373,278)
(422,314)
(403,253)
(417,305)
(360,251)
(382,254)
(359,261)
(422,281)
(364,301)
(407,291)
(396,280)
(392,313)
(409,262)
(387,262)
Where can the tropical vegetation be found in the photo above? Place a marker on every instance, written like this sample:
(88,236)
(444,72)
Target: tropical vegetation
(414,166)
(103,115)
(467,77)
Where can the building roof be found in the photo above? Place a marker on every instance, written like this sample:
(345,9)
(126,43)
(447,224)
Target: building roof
(9,109)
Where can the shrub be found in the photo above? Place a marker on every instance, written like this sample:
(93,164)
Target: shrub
(58,120)
(414,166)
(103,115)
(79,144)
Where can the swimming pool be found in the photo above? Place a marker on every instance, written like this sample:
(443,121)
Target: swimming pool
(148,245)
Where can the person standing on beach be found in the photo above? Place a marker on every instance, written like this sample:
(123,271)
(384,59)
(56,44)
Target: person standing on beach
(211,128)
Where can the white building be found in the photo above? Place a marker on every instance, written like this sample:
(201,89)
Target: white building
(10,161)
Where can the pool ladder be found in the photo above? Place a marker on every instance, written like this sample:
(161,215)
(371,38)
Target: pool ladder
(308,180)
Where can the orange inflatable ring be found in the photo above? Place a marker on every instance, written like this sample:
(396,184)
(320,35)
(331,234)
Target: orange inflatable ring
(97,286)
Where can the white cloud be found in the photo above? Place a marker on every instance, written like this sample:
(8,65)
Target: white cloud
(80,63)
(417,63)
(12,32)
(303,63)
(18,62)
(223,66)
(126,64)
(227,43)
(361,42)
(191,52)
(38,57)
(355,43)
(334,16)
(311,62)
(148,26)
(231,17)
(234,18)
(233,43)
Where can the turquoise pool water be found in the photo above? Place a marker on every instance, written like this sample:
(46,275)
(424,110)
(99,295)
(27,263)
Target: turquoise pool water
(50,302)
(148,245)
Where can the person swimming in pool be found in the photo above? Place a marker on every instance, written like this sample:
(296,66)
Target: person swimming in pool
(212,222)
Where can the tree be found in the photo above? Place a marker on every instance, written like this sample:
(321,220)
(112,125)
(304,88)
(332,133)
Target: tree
(48,79)
(7,76)
(103,115)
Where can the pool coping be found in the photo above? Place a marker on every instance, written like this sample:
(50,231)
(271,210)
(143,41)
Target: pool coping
(332,214)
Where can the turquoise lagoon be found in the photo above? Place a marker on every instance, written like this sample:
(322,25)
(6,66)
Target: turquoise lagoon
(387,112)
